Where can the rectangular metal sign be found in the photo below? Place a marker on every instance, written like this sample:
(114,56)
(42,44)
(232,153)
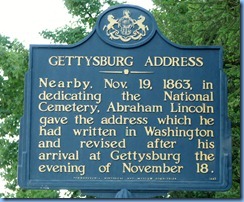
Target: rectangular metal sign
(125,108)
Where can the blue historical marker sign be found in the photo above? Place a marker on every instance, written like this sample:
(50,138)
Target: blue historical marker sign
(125,108)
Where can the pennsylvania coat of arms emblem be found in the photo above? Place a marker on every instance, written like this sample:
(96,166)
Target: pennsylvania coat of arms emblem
(126,28)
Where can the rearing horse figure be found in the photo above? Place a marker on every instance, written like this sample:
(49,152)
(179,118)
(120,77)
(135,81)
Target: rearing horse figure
(140,24)
(111,24)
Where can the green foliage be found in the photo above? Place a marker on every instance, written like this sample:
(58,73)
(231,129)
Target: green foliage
(67,34)
(85,12)
(37,194)
(209,22)
(13,64)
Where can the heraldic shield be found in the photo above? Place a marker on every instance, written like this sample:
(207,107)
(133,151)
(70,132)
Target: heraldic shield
(126,26)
